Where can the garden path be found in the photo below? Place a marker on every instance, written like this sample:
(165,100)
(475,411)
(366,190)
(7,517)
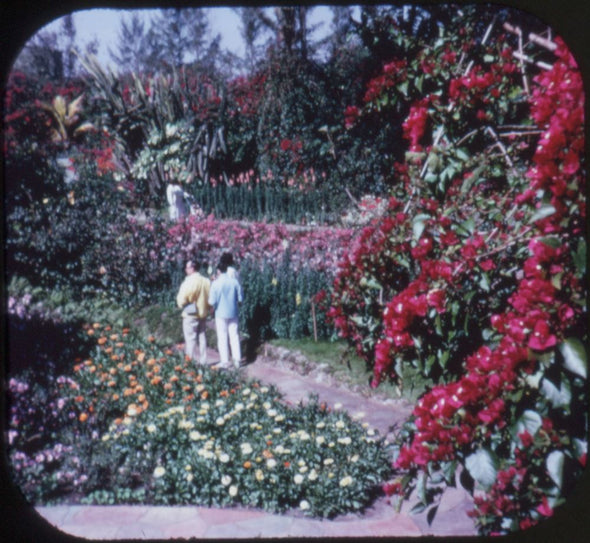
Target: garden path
(297,382)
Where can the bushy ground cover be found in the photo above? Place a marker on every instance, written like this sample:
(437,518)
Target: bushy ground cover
(133,422)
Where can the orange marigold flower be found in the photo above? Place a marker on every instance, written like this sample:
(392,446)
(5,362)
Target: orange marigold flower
(77,367)
(113,371)
(204,395)
(151,339)
(140,356)
(189,398)
(167,386)
(171,394)
(127,367)
(145,405)
(138,388)
(186,388)
(224,393)
(102,340)
(79,398)
(247,464)
(125,331)
(127,392)
(96,325)
(90,332)
(115,337)
(83,417)
(199,378)
(115,357)
(157,379)
(173,379)
(107,327)
(266,453)
(88,362)
(157,369)
(115,397)
(108,350)
(118,421)
(112,383)
(120,344)
(177,368)
(151,362)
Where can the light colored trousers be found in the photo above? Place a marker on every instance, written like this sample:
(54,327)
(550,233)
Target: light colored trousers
(195,340)
(228,328)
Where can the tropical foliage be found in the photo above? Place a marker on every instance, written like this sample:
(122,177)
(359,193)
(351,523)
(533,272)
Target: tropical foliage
(417,188)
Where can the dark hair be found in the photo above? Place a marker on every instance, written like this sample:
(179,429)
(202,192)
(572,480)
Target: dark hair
(226,259)
(195,260)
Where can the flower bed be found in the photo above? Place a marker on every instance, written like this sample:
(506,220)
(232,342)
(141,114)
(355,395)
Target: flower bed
(137,423)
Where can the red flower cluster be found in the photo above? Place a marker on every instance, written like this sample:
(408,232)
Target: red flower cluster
(558,108)
(415,125)
(392,74)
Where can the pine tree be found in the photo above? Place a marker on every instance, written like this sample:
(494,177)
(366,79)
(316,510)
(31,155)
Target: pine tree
(131,44)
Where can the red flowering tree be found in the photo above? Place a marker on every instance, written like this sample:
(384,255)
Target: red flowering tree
(475,276)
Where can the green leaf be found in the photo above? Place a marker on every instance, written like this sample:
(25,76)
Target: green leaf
(418,225)
(484,282)
(482,467)
(574,356)
(543,212)
(558,397)
(530,421)
(555,462)
(579,257)
(419,81)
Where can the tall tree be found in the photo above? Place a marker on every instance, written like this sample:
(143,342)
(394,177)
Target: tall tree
(178,36)
(41,57)
(131,51)
(68,30)
(251,30)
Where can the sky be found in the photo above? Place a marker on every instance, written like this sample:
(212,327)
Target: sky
(103,25)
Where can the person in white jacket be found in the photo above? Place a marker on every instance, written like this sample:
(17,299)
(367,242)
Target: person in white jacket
(177,204)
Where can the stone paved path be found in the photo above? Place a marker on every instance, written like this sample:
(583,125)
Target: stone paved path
(381,520)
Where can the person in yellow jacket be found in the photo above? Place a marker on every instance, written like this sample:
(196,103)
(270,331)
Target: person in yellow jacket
(192,298)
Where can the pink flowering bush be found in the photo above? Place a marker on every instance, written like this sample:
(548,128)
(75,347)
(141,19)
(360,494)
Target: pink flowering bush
(475,277)
(319,248)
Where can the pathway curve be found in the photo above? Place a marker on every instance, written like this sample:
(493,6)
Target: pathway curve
(380,520)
